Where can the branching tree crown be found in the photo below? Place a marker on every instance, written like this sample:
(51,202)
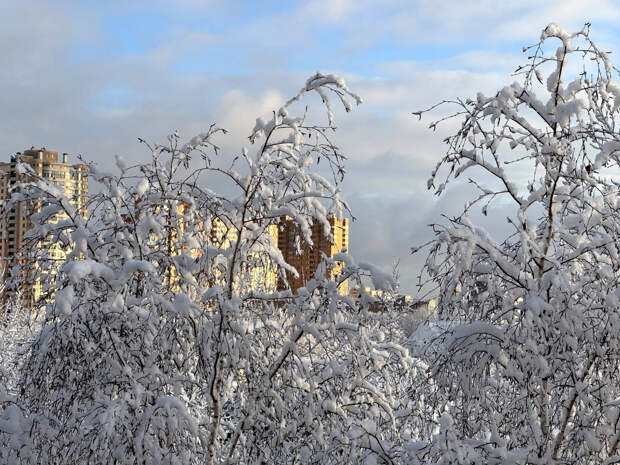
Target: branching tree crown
(530,367)
(158,345)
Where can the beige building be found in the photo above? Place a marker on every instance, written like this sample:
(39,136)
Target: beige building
(259,272)
(15,223)
(291,243)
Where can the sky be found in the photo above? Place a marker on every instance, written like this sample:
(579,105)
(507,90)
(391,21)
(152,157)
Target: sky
(90,77)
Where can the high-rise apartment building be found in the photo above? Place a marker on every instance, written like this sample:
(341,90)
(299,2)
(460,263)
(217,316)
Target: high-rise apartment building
(259,273)
(298,253)
(15,223)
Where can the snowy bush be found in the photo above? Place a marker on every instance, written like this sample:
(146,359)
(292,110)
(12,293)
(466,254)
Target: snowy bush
(18,327)
(416,315)
(529,371)
(162,344)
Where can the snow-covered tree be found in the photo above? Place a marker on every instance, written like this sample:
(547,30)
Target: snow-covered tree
(18,326)
(529,369)
(163,342)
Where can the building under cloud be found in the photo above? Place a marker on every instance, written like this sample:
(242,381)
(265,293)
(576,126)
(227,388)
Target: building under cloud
(73,179)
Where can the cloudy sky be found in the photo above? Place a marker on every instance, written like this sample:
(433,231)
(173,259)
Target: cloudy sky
(90,77)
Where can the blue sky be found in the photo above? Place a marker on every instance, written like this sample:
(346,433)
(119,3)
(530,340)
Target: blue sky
(90,77)
(323,35)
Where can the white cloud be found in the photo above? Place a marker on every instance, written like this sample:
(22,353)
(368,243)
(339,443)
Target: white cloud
(569,14)
(329,11)
(237,111)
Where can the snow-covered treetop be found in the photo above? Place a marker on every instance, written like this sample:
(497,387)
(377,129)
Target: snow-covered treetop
(528,370)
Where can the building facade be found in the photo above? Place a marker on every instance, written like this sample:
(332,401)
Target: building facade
(73,179)
(305,258)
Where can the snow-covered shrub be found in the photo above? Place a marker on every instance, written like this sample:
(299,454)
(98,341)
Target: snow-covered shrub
(18,327)
(530,367)
(413,315)
(161,345)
